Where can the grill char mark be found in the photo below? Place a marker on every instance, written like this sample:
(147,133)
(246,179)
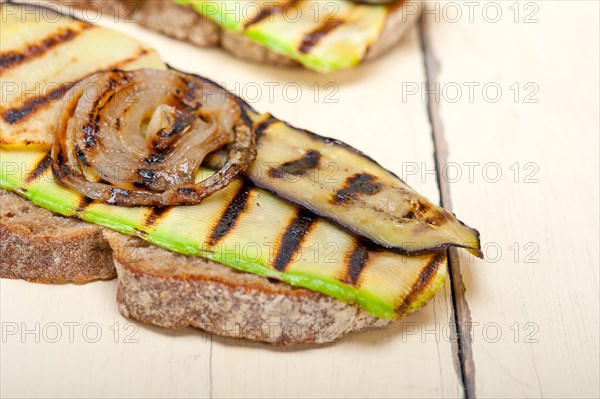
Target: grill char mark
(158,155)
(312,38)
(297,167)
(84,202)
(264,125)
(292,238)
(13,58)
(15,115)
(42,165)
(360,183)
(236,207)
(186,191)
(157,213)
(106,96)
(423,281)
(356,262)
(118,196)
(267,12)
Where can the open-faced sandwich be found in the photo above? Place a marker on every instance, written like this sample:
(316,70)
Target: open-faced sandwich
(212,214)
(321,35)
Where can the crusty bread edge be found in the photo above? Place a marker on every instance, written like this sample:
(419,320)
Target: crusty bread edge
(396,25)
(74,258)
(231,309)
(399,20)
(229,304)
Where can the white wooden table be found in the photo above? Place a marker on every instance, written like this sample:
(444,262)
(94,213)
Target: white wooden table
(493,110)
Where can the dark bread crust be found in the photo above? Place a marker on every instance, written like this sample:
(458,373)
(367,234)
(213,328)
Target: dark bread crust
(164,288)
(174,291)
(184,23)
(39,246)
(206,33)
(190,26)
(180,22)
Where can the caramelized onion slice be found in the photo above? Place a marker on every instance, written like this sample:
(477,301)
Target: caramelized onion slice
(138,138)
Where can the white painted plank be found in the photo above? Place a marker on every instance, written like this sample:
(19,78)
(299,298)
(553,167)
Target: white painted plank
(409,359)
(70,341)
(370,114)
(549,211)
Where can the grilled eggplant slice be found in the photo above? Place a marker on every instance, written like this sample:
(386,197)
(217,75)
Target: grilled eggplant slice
(242,226)
(342,184)
(251,230)
(293,163)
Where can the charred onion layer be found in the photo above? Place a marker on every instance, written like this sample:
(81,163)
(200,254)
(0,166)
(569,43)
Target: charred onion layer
(138,138)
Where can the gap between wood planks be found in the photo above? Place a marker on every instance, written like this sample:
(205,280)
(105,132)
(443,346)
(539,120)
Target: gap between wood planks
(460,308)
(210,368)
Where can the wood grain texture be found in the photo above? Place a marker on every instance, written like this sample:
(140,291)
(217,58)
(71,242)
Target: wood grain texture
(460,307)
(364,364)
(69,341)
(533,304)
(412,358)
(541,292)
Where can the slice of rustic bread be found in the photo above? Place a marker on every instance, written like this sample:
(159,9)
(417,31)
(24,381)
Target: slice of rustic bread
(37,245)
(180,22)
(184,23)
(164,288)
(171,290)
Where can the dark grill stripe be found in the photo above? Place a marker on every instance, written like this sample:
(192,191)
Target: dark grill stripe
(360,183)
(425,278)
(267,12)
(42,165)
(356,262)
(297,167)
(292,238)
(16,115)
(264,125)
(129,60)
(13,58)
(84,202)
(157,213)
(311,39)
(235,208)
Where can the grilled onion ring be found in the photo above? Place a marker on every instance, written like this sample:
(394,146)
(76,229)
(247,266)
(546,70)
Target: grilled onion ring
(138,138)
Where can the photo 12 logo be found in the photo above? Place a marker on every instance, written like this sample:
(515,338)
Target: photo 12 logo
(471,92)
(472,172)
(492,12)
(68,332)
(52,11)
(490,332)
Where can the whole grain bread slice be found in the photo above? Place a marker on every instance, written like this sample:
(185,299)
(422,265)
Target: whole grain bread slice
(180,22)
(38,245)
(174,291)
(166,289)
(184,23)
